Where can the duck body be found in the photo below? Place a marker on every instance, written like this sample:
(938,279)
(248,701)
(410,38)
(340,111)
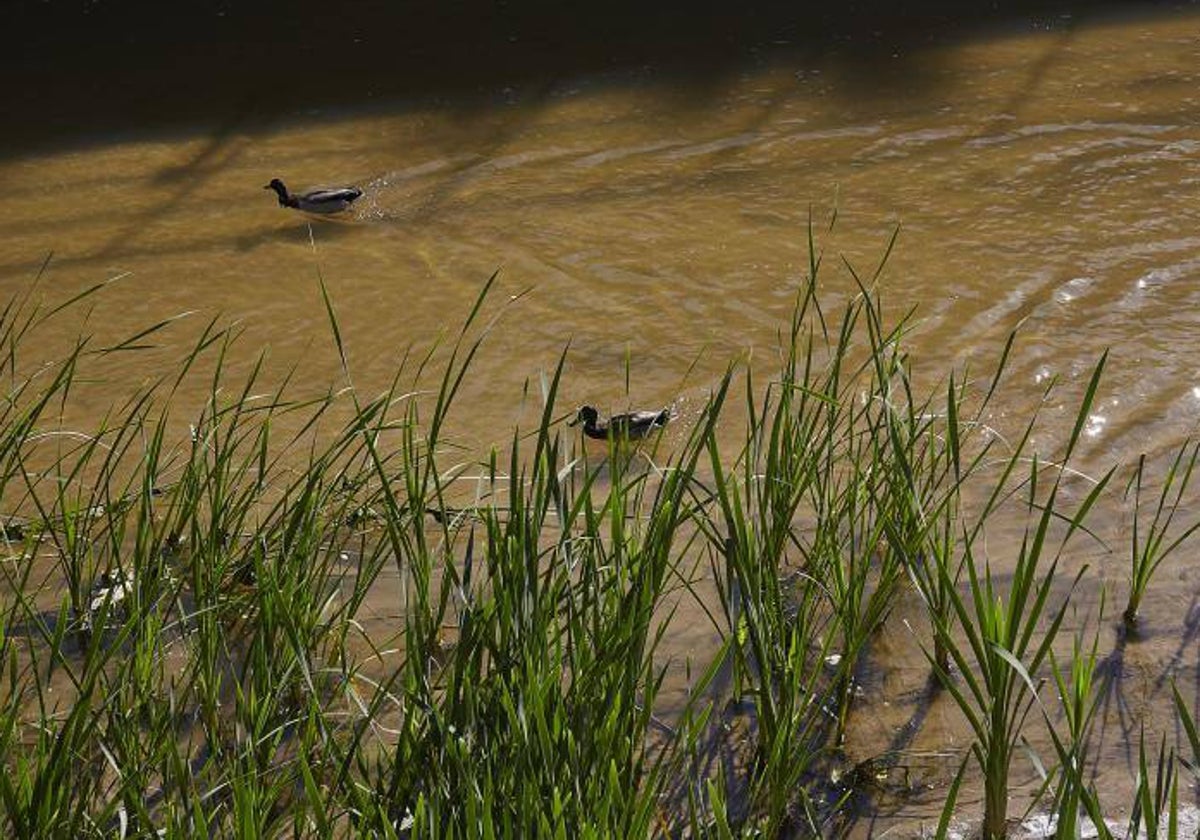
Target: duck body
(633,425)
(315,201)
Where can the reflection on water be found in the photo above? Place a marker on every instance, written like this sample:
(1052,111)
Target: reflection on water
(1046,177)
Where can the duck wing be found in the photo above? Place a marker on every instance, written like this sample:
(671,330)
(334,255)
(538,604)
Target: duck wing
(653,418)
(332,196)
(639,422)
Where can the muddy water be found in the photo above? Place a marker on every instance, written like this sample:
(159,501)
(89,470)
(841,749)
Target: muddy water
(1047,175)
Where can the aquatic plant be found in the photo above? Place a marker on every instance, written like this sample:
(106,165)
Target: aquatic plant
(1148,546)
(1076,687)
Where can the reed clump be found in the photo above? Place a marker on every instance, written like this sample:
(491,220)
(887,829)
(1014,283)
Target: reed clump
(193,640)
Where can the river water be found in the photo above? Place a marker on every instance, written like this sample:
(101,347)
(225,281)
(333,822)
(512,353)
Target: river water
(1044,173)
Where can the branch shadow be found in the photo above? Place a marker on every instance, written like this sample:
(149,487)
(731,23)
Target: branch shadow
(87,70)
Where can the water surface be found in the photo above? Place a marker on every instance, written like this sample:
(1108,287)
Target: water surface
(1044,174)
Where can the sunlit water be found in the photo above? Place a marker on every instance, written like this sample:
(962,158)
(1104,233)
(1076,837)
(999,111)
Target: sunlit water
(1047,177)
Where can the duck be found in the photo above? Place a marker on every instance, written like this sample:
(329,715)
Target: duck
(633,425)
(315,201)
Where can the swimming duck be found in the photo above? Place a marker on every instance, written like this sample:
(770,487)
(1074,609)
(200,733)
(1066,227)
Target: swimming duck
(315,201)
(632,426)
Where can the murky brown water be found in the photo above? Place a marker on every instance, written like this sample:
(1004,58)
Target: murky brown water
(1045,175)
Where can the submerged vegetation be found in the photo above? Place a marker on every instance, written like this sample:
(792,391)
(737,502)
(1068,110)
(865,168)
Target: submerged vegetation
(188,650)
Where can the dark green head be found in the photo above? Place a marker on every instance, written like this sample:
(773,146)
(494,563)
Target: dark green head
(587,415)
(285,200)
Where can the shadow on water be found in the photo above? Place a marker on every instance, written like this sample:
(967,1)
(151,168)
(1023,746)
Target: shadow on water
(82,71)
(1115,672)
(293,232)
(1116,708)
(222,147)
(302,232)
(873,785)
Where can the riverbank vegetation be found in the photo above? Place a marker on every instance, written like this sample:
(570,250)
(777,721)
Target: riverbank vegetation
(187,650)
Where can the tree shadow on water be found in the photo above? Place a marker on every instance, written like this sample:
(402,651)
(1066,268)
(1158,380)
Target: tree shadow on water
(80,71)
(222,148)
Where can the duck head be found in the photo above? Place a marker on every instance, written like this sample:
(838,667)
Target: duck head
(280,190)
(587,415)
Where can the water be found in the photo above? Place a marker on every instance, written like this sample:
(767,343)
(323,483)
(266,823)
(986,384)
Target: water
(1041,174)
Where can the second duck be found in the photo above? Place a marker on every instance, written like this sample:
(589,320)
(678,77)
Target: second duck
(633,425)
